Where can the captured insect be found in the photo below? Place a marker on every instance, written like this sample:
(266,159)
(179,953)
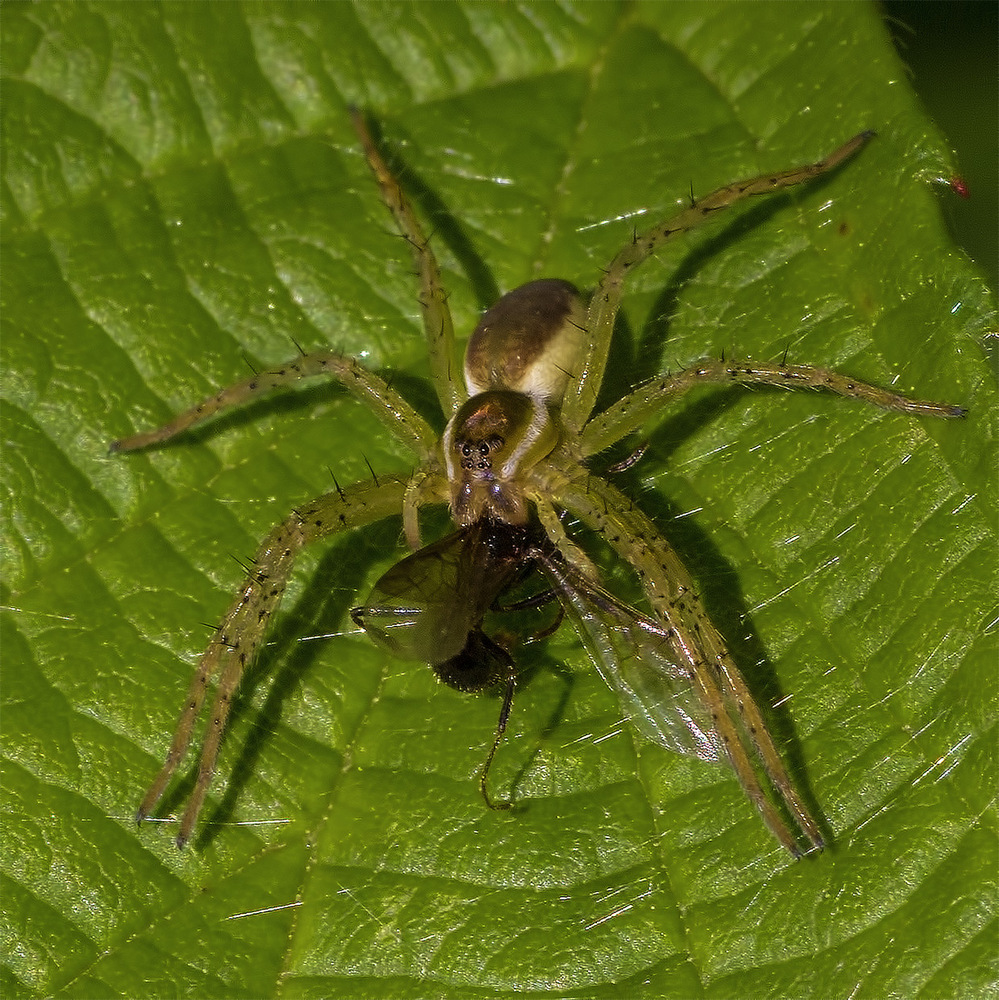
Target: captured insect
(514,460)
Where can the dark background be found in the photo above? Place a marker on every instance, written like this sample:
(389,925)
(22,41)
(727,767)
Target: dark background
(952,52)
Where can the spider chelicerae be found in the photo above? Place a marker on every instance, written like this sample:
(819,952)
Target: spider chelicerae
(514,458)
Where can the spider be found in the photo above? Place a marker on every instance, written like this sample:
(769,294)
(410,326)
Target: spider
(513,459)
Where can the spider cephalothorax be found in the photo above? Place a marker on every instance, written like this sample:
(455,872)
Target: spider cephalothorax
(511,461)
(490,446)
(517,365)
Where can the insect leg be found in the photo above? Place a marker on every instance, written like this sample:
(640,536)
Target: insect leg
(647,401)
(241,631)
(433,298)
(583,391)
(504,717)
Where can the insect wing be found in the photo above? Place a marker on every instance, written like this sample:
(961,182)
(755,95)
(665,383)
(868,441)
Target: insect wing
(427,606)
(633,655)
(419,609)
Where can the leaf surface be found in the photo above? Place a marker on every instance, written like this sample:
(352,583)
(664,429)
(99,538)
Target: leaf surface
(182,191)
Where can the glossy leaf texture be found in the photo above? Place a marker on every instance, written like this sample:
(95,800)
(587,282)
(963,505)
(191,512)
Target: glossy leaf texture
(182,191)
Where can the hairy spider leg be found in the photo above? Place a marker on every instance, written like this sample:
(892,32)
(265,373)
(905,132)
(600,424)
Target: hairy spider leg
(556,533)
(404,422)
(402,419)
(427,485)
(559,481)
(646,402)
(712,671)
(433,298)
(582,393)
(241,631)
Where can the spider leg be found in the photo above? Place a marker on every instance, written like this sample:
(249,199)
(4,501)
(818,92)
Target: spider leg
(241,631)
(632,411)
(407,425)
(426,486)
(695,640)
(583,392)
(555,531)
(437,321)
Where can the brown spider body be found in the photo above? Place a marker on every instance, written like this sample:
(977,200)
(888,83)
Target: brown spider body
(512,458)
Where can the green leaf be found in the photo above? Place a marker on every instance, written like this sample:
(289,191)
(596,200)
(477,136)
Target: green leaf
(182,191)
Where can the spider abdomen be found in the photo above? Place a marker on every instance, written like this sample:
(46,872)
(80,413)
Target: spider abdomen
(529,341)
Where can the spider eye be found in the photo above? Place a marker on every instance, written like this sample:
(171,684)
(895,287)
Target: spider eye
(495,438)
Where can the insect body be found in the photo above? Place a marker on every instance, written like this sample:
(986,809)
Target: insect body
(513,457)
(430,607)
